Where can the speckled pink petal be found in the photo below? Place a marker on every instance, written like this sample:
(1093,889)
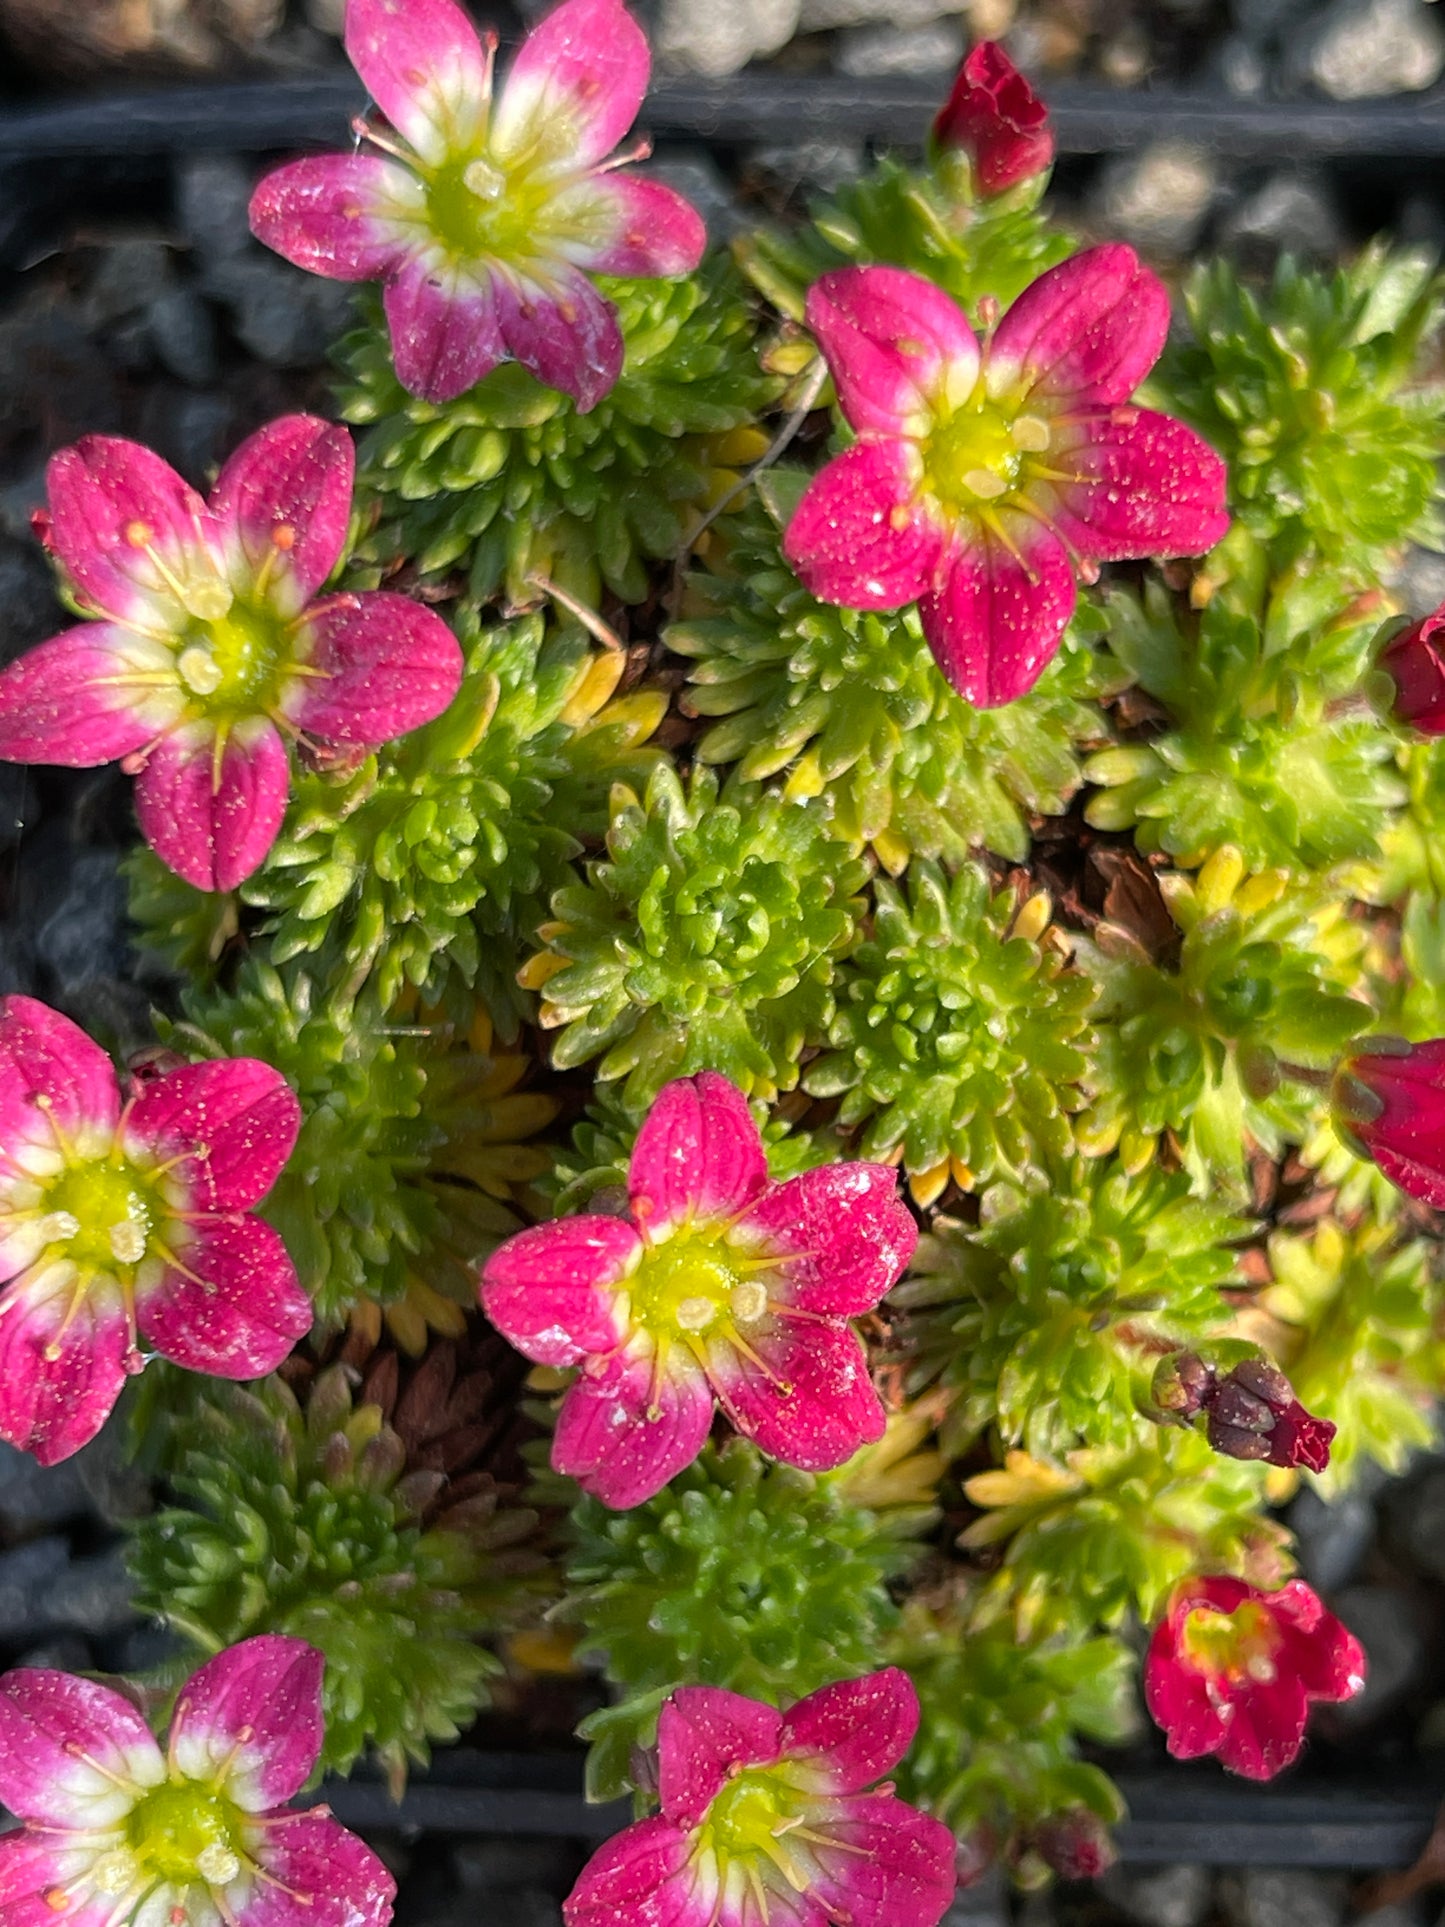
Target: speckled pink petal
(704,1736)
(698,1155)
(250,1721)
(48,1721)
(1088,330)
(389,665)
(608,1440)
(45,1056)
(547,1290)
(283,503)
(626,224)
(231,1123)
(214,828)
(638,1879)
(236,1310)
(109,500)
(85,697)
(566,333)
(846,1736)
(337,214)
(34,1871)
(860,537)
(995,622)
(445,332)
(342,1882)
(852,1232)
(893,1866)
(1145,485)
(575,86)
(423,65)
(893,342)
(810,1402)
(51,1406)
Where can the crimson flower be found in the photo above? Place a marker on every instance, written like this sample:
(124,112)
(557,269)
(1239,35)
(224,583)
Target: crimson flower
(483,220)
(210,646)
(117,1831)
(1389,1104)
(996,118)
(986,476)
(717,1282)
(1415,663)
(1232,1670)
(129,1220)
(766,1821)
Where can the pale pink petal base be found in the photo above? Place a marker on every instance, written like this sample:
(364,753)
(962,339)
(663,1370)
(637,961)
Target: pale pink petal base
(893,341)
(214,833)
(704,1736)
(68,1748)
(32,1866)
(575,86)
(82,699)
(250,1721)
(642,227)
(50,1407)
(325,214)
(608,1439)
(548,1289)
(996,620)
(236,1310)
(423,65)
(698,1155)
(860,537)
(445,330)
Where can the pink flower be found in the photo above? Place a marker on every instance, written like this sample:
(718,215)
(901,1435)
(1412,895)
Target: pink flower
(719,1282)
(997,119)
(118,1832)
(483,221)
(129,1220)
(1415,663)
(210,646)
(1389,1104)
(1232,1670)
(984,478)
(766,1822)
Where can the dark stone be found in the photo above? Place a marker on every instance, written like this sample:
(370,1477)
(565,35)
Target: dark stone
(1333,1538)
(84,935)
(487,1866)
(29,612)
(1283,1897)
(28,1578)
(1159,1896)
(184,335)
(1387,1624)
(91,1595)
(37,1495)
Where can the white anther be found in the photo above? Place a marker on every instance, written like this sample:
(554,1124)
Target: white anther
(207,599)
(485,181)
(695,1314)
(59,1227)
(1260,1668)
(199,669)
(749,1300)
(983,481)
(127,1242)
(217,1864)
(114,1873)
(1031,432)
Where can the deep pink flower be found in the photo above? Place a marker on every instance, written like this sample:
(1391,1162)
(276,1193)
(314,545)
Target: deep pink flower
(211,646)
(1232,1670)
(984,477)
(718,1282)
(1389,1104)
(1415,663)
(483,221)
(997,119)
(118,1833)
(129,1220)
(766,1822)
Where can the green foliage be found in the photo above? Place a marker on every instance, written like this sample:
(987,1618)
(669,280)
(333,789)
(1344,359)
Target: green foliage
(1045,1320)
(957,1036)
(512,484)
(1267,744)
(1412,849)
(1267,980)
(741,1573)
(186,928)
(852,706)
(708,938)
(307,1524)
(1305,388)
(1358,1321)
(435,860)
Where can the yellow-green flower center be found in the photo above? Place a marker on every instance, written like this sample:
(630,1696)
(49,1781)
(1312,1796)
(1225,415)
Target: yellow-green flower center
(757,1834)
(691,1283)
(1231,1646)
(480,210)
(186,1833)
(977,453)
(101,1214)
(234,662)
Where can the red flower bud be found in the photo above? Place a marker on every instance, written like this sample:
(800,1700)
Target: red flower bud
(1075,1844)
(1415,663)
(1250,1411)
(1389,1102)
(997,117)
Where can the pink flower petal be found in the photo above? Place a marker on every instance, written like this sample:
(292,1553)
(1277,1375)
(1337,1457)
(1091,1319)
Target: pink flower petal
(547,1289)
(860,537)
(894,1866)
(1406,1136)
(846,1736)
(625,224)
(48,1720)
(34,1871)
(1147,485)
(994,114)
(341,1881)
(250,1721)
(45,1056)
(853,1233)
(424,67)
(1415,662)
(566,333)
(995,622)
(1178,1700)
(51,1406)
(575,86)
(236,1311)
(893,342)
(233,1122)
(636,1879)
(336,214)
(214,828)
(1088,330)
(704,1735)
(1265,1730)
(698,1155)
(814,1405)
(390,665)
(1324,1655)
(83,698)
(111,500)
(608,1439)
(288,488)
(445,332)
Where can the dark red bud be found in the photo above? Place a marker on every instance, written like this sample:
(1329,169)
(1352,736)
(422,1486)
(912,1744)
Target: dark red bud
(1182,1382)
(1075,1844)
(994,116)
(1415,663)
